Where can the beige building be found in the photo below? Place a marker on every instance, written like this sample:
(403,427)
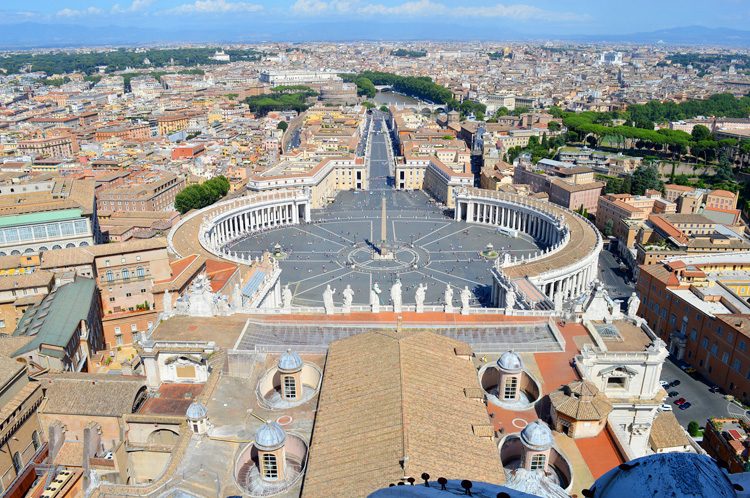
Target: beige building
(21,434)
(323,177)
(432,176)
(18,292)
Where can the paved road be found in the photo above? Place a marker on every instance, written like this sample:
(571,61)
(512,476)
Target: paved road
(613,278)
(704,403)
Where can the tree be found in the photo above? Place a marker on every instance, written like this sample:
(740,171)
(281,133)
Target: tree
(479,115)
(700,132)
(283,125)
(608,226)
(694,428)
(545,143)
(384,108)
(368,105)
(553,126)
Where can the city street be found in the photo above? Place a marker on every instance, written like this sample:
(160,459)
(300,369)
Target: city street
(613,278)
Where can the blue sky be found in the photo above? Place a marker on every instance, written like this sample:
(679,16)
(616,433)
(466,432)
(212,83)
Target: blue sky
(528,16)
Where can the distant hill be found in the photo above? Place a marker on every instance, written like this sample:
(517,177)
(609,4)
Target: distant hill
(27,35)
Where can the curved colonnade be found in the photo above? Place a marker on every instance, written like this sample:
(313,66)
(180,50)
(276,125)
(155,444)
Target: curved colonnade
(568,265)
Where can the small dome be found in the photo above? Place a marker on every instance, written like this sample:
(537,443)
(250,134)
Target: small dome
(196,410)
(290,361)
(270,436)
(510,362)
(537,436)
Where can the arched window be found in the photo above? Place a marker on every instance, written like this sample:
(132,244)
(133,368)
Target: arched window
(15,252)
(125,273)
(290,387)
(83,244)
(28,249)
(139,271)
(69,245)
(270,468)
(17,463)
(511,384)
(43,248)
(35,440)
(56,247)
(110,276)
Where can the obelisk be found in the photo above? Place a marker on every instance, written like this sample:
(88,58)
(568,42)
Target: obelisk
(383,249)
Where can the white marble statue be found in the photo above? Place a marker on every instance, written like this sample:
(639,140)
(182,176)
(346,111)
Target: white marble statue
(510,299)
(286,299)
(633,304)
(448,297)
(237,297)
(328,299)
(419,297)
(465,298)
(396,296)
(167,302)
(348,297)
(557,299)
(375,298)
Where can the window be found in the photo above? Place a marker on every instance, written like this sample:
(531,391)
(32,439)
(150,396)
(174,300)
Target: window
(111,299)
(737,365)
(17,463)
(137,258)
(118,338)
(143,291)
(656,308)
(650,304)
(270,470)
(290,387)
(35,440)
(511,386)
(117,330)
(538,461)
(704,343)
(729,337)
(133,326)
(719,330)
(672,319)
(725,357)
(715,349)
(742,345)
(122,260)
(698,316)
(125,273)
(693,334)
(110,276)
(139,271)
(127,294)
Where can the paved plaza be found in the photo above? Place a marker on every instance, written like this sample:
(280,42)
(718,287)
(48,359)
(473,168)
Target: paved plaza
(338,246)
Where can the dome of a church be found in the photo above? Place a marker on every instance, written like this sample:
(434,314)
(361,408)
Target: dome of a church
(196,411)
(270,436)
(290,361)
(687,475)
(510,362)
(537,436)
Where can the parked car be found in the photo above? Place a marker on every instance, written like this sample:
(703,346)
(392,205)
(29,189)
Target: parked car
(672,394)
(674,383)
(714,389)
(664,384)
(691,370)
(679,401)
(685,406)
(665,408)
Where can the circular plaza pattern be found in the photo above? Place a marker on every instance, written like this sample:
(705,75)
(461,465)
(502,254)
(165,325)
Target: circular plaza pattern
(340,246)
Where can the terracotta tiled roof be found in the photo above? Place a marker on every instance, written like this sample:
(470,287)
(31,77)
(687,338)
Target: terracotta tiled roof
(90,394)
(387,396)
(666,432)
(581,400)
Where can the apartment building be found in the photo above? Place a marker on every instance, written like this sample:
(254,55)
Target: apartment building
(698,305)
(170,123)
(692,200)
(566,185)
(134,132)
(145,192)
(620,207)
(56,146)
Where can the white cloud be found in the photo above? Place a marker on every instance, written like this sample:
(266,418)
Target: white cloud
(416,8)
(319,7)
(213,7)
(91,11)
(136,6)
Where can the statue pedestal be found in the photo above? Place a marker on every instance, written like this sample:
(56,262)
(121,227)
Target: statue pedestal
(389,256)
(449,308)
(465,310)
